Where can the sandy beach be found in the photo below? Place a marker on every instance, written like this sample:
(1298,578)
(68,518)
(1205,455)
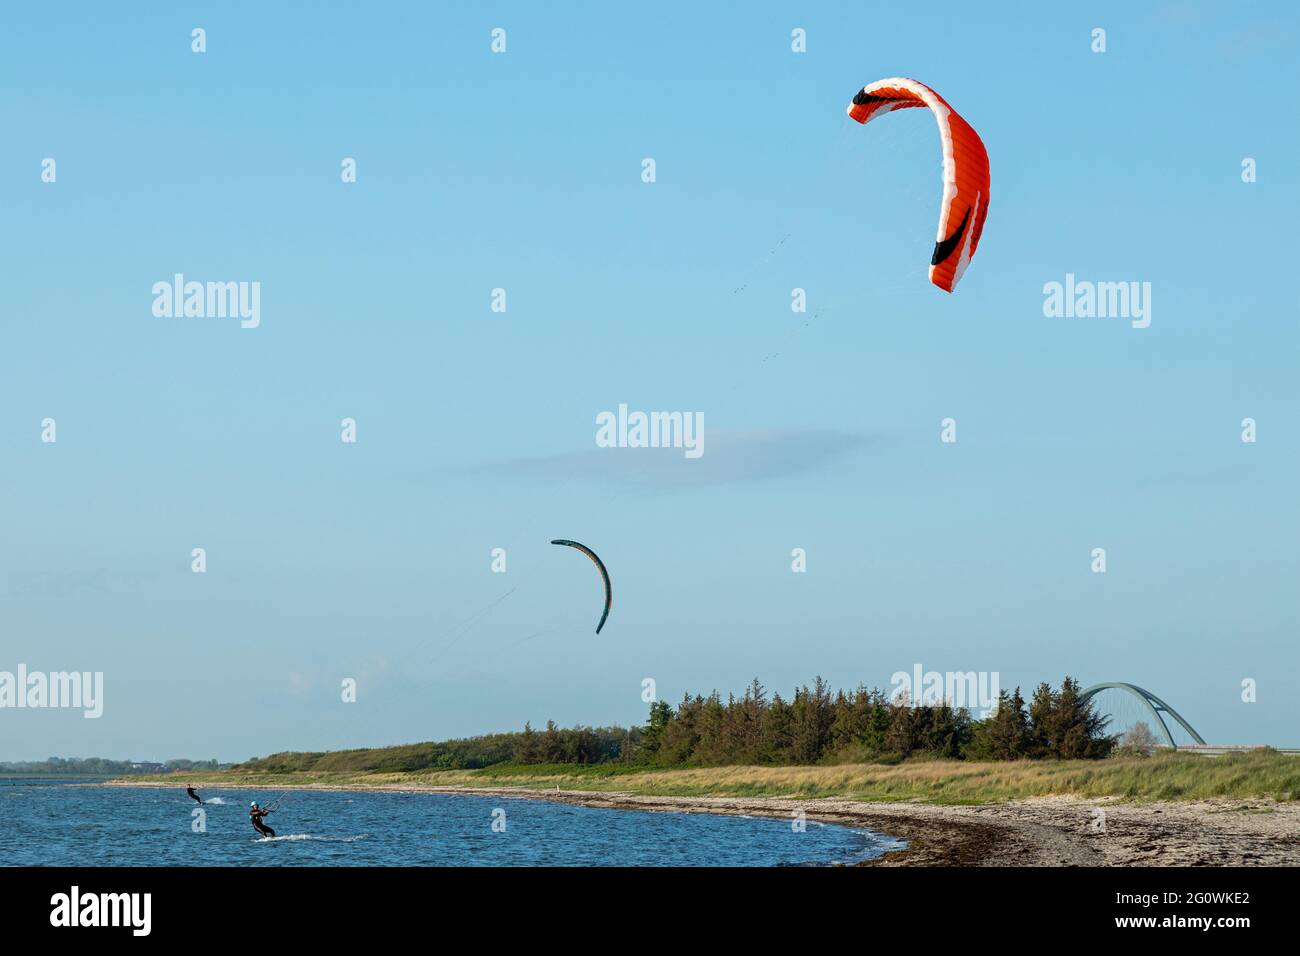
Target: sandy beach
(1049,831)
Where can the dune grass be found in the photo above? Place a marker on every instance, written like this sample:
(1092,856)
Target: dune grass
(1168,776)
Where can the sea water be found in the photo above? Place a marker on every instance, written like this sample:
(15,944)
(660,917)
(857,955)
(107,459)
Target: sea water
(46,823)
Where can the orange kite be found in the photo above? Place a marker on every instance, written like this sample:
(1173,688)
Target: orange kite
(965,172)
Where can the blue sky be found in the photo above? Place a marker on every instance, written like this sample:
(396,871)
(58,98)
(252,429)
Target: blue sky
(476,429)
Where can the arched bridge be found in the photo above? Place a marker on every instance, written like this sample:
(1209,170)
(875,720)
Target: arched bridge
(1156,707)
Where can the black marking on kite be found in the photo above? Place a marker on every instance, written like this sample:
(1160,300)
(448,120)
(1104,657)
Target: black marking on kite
(942,250)
(863,98)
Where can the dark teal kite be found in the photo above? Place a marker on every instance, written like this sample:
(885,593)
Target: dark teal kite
(600,566)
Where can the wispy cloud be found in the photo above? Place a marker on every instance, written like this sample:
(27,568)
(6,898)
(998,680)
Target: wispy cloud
(1255,40)
(729,457)
(66,584)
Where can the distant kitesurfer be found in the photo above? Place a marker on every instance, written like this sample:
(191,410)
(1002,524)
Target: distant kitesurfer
(197,798)
(256,814)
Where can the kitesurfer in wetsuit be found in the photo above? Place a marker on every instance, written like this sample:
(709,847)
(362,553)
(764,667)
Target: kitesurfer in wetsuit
(197,798)
(256,814)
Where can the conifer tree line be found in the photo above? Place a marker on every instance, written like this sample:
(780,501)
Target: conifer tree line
(817,725)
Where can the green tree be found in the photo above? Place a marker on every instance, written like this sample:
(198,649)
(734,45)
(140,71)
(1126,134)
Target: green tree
(945,732)
(1080,730)
(1004,734)
(907,724)
(1043,735)
(778,731)
(526,747)
(814,713)
(552,744)
(681,736)
(661,714)
(711,750)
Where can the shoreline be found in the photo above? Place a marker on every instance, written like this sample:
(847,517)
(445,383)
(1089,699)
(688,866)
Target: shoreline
(1043,831)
